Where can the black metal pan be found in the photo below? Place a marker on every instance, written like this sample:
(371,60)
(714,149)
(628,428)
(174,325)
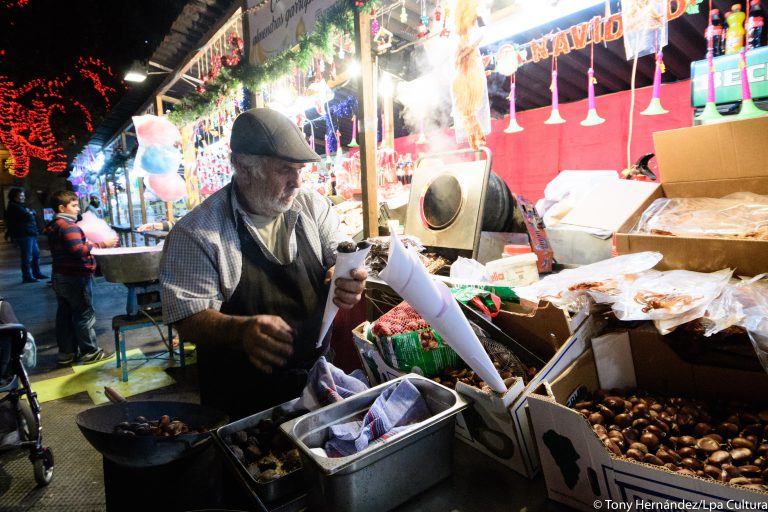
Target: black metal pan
(98,425)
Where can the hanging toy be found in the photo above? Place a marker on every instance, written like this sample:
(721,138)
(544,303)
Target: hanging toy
(353,143)
(554,116)
(422,136)
(508,60)
(403,13)
(445,32)
(423,30)
(654,107)
(748,107)
(710,112)
(438,11)
(513,126)
(375,27)
(592,118)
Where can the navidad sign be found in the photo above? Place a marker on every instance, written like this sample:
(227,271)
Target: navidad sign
(276,25)
(599,28)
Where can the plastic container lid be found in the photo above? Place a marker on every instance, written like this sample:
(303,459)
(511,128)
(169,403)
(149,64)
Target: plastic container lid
(512,249)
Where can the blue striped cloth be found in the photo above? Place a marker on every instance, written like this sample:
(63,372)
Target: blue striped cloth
(326,384)
(396,410)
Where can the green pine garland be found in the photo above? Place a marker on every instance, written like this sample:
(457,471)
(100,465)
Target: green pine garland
(338,18)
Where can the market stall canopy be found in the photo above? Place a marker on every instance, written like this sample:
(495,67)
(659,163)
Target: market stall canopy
(196,24)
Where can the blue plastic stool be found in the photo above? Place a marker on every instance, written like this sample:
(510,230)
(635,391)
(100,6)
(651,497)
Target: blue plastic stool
(123,323)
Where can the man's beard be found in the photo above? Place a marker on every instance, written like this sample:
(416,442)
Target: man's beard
(271,206)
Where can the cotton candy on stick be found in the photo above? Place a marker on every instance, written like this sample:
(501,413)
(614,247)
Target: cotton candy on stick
(406,275)
(347,259)
(95,229)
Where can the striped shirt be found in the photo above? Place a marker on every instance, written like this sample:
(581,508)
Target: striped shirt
(70,250)
(202,260)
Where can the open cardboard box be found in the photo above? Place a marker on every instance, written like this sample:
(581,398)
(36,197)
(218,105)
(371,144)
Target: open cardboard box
(543,322)
(495,424)
(706,161)
(579,470)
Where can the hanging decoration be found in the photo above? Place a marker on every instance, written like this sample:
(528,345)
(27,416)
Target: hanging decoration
(403,13)
(8,165)
(592,118)
(26,112)
(469,86)
(710,112)
(748,107)
(335,20)
(554,116)
(353,143)
(423,29)
(508,59)
(654,107)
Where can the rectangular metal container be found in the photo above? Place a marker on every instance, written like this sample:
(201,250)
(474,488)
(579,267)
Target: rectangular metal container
(287,485)
(386,474)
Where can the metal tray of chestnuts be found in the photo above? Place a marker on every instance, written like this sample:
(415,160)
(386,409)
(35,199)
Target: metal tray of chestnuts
(263,456)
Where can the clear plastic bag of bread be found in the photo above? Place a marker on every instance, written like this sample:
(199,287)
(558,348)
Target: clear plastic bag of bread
(670,298)
(738,215)
(602,281)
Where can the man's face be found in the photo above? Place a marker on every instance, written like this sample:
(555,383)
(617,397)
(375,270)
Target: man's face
(272,191)
(71,208)
(21,197)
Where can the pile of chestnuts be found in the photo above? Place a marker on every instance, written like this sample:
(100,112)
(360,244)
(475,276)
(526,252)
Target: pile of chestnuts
(725,442)
(164,427)
(266,452)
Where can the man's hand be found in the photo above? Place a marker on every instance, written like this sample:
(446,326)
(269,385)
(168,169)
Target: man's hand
(268,341)
(349,290)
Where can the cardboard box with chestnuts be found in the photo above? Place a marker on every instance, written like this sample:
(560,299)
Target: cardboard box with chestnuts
(630,421)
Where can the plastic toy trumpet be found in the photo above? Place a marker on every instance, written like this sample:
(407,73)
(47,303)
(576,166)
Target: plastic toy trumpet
(654,107)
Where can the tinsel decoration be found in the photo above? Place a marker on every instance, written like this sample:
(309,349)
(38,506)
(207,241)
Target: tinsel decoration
(345,109)
(334,20)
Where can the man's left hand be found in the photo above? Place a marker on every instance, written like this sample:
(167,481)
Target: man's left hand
(349,290)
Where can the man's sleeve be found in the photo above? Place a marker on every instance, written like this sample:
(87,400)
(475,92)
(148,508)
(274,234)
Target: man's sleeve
(328,226)
(189,276)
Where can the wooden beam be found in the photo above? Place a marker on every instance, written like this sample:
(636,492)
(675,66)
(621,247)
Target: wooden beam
(367,124)
(128,195)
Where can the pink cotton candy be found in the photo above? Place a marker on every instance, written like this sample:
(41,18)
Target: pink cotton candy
(156,130)
(167,187)
(95,229)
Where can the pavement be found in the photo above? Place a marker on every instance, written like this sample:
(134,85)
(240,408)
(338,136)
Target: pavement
(77,483)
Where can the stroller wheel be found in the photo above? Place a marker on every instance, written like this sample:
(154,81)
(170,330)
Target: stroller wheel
(43,467)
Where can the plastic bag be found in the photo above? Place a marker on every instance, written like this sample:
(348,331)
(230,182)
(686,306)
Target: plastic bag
(743,215)
(601,280)
(645,26)
(753,296)
(670,298)
(469,269)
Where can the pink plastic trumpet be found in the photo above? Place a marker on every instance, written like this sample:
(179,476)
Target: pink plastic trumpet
(654,107)
(592,118)
(554,116)
(513,126)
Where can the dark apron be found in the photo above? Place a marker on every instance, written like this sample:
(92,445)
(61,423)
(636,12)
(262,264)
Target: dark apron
(296,293)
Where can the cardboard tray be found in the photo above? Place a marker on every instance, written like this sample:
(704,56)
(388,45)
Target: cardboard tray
(579,470)
(706,161)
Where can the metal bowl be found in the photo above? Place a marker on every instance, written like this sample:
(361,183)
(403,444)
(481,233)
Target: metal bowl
(97,425)
(129,264)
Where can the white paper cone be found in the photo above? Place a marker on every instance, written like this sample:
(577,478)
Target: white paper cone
(455,330)
(406,275)
(345,263)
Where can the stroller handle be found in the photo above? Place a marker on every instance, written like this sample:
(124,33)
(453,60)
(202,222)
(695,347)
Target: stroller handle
(18,334)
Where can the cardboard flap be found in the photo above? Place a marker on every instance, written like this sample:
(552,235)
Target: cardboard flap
(609,204)
(733,149)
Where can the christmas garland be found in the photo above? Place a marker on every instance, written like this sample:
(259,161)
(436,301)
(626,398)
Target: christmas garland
(338,18)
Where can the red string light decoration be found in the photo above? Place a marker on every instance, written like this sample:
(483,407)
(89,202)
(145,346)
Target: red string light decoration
(26,112)
(10,4)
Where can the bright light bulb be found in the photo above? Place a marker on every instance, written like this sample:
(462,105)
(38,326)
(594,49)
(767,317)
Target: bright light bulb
(353,69)
(386,87)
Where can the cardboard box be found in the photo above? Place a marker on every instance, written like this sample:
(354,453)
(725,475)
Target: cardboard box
(498,425)
(579,469)
(574,245)
(543,325)
(706,161)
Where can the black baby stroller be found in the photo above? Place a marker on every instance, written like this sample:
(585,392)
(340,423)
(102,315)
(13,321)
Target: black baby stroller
(20,426)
